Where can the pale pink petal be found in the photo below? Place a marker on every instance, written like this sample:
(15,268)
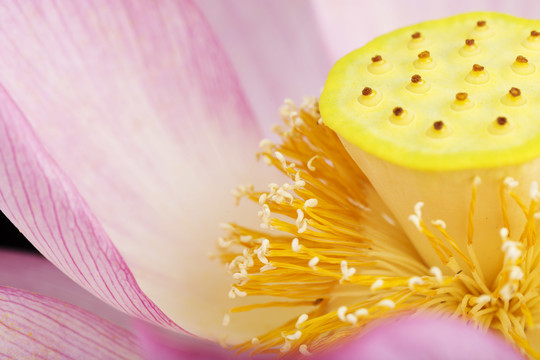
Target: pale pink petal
(349,24)
(424,337)
(34,326)
(34,273)
(38,197)
(134,132)
(275,47)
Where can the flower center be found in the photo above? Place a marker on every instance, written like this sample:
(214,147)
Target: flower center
(401,198)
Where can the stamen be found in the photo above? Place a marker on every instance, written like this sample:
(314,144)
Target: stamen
(295,245)
(301,319)
(386,303)
(341,311)
(304,350)
(437,273)
(415,280)
(377,284)
(313,262)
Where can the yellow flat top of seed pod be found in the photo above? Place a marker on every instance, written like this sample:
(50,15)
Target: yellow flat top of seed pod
(427,97)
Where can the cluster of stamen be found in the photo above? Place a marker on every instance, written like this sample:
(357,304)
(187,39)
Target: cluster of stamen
(329,248)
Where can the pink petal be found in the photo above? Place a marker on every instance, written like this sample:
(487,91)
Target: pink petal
(38,197)
(275,47)
(134,131)
(33,326)
(424,337)
(349,24)
(36,274)
(157,343)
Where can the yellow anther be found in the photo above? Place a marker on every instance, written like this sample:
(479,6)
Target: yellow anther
(400,116)
(417,41)
(438,130)
(379,65)
(532,42)
(369,97)
(500,126)
(469,49)
(424,61)
(522,66)
(477,76)
(418,85)
(482,30)
(513,98)
(462,102)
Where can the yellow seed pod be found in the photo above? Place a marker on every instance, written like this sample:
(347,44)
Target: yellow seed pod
(452,139)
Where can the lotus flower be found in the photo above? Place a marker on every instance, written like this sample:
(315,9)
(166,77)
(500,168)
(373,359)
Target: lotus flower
(123,128)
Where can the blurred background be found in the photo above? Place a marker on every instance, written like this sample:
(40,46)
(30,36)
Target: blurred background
(11,238)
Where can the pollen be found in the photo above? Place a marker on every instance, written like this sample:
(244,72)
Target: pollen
(451,152)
